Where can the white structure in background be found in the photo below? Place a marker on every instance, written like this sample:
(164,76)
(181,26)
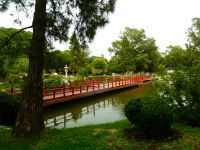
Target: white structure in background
(66,70)
(170,71)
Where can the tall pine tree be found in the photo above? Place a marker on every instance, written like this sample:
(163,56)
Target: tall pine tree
(52,20)
(79,56)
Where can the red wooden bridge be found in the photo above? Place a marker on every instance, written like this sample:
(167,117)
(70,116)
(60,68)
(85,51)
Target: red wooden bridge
(68,92)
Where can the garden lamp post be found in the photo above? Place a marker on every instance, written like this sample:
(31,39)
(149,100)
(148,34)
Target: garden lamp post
(66,70)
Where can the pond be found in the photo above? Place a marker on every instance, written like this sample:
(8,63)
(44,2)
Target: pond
(107,107)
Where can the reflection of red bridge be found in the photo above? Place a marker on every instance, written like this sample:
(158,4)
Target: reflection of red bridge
(53,95)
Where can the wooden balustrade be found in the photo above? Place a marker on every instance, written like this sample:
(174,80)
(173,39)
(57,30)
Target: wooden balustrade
(56,92)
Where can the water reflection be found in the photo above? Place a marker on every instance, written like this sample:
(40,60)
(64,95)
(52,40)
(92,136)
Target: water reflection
(98,109)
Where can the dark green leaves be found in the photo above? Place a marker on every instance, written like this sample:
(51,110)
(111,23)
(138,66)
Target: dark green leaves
(134,52)
(4,4)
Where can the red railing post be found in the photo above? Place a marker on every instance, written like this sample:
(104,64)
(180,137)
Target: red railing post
(80,90)
(64,89)
(12,90)
(45,91)
(93,85)
(72,90)
(54,93)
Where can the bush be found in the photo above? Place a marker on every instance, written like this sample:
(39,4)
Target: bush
(182,89)
(83,72)
(53,80)
(190,116)
(149,114)
(9,106)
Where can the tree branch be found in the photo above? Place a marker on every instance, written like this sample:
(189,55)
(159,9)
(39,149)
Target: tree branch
(13,35)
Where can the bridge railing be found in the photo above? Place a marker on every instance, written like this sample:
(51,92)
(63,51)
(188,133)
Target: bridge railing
(74,89)
(89,86)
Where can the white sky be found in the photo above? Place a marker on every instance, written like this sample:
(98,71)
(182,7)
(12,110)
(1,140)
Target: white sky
(165,20)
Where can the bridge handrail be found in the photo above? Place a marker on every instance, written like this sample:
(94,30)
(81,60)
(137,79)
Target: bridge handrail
(65,90)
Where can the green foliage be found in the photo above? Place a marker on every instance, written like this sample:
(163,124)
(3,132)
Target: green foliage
(53,80)
(161,70)
(91,15)
(191,116)
(9,106)
(150,114)
(134,52)
(79,56)
(175,57)
(97,137)
(13,79)
(18,45)
(194,34)
(53,20)
(3,72)
(182,91)
(114,65)
(13,59)
(99,66)
(83,72)
(57,60)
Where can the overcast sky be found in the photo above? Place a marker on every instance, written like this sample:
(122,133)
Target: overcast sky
(165,20)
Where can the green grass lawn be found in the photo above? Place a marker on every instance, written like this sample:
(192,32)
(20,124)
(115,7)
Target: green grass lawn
(105,136)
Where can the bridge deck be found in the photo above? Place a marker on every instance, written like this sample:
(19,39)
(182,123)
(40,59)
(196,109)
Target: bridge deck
(67,94)
(58,94)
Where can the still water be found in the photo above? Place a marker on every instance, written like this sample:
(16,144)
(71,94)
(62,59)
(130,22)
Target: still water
(97,109)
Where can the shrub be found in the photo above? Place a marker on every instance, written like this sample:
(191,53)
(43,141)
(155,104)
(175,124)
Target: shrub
(53,80)
(191,116)
(182,89)
(83,72)
(149,114)
(9,106)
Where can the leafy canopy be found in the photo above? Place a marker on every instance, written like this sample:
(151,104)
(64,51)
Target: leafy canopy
(134,51)
(99,65)
(79,55)
(85,16)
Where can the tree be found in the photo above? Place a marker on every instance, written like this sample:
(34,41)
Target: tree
(134,51)
(175,57)
(79,56)
(52,18)
(194,34)
(15,49)
(18,45)
(114,65)
(193,47)
(57,60)
(14,53)
(99,66)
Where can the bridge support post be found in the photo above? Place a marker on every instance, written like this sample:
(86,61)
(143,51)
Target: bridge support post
(54,93)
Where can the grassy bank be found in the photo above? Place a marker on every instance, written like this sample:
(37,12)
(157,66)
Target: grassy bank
(106,136)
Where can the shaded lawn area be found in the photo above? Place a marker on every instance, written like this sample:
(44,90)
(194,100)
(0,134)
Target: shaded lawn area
(105,136)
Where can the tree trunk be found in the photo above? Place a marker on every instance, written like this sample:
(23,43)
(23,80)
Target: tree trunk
(30,117)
